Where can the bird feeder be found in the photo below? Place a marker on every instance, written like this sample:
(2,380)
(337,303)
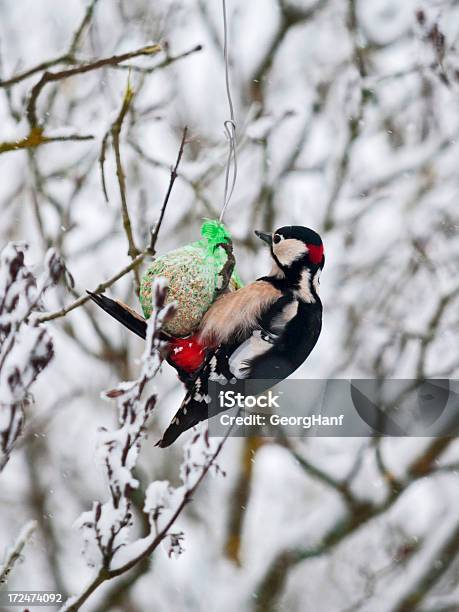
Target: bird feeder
(194,276)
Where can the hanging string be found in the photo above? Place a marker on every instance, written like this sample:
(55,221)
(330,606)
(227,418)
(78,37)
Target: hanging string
(230,125)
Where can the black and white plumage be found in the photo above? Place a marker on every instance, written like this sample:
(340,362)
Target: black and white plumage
(262,332)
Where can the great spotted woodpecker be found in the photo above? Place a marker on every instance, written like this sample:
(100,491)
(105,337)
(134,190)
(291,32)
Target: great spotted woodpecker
(262,332)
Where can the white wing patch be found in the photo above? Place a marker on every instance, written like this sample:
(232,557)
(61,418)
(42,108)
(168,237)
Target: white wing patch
(253,347)
(214,375)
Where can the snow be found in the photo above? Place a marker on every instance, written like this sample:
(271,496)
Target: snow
(391,257)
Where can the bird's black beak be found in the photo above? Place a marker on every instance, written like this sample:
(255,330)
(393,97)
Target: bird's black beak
(268,238)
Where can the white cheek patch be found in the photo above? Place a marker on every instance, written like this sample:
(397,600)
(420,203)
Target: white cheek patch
(304,291)
(288,250)
(239,362)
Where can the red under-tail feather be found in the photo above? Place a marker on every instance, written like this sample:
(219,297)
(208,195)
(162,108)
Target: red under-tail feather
(188,354)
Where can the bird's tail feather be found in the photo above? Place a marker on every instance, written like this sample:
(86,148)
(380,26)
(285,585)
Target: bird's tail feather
(197,405)
(122,313)
(191,412)
(137,324)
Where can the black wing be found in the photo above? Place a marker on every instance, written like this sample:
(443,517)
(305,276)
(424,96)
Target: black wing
(122,313)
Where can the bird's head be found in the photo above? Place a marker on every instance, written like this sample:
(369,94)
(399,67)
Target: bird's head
(295,246)
(294,249)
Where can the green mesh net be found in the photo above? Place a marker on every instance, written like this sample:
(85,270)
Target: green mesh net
(192,272)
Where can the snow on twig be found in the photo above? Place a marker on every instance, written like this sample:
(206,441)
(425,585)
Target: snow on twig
(106,527)
(26,348)
(14,553)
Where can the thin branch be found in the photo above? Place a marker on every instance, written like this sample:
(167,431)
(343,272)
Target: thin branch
(103,150)
(66,58)
(273,582)
(133,251)
(155,231)
(136,261)
(290,17)
(49,316)
(52,77)
(121,589)
(21,76)
(195,185)
(341,487)
(444,557)
(432,328)
(14,554)
(37,138)
(82,27)
(105,574)
(170,59)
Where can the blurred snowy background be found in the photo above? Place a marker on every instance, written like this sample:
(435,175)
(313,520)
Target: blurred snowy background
(348,122)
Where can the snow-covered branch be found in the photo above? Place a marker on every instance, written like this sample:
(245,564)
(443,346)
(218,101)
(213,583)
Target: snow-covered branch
(106,527)
(26,348)
(14,553)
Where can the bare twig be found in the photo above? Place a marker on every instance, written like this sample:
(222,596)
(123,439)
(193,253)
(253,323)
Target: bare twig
(290,17)
(170,59)
(14,554)
(52,77)
(21,76)
(103,150)
(445,555)
(66,58)
(82,27)
(133,251)
(273,582)
(155,231)
(105,574)
(49,316)
(341,487)
(37,138)
(136,261)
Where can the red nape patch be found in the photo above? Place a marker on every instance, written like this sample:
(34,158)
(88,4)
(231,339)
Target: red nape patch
(187,353)
(315,253)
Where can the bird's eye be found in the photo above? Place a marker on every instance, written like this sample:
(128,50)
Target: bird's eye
(276,238)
